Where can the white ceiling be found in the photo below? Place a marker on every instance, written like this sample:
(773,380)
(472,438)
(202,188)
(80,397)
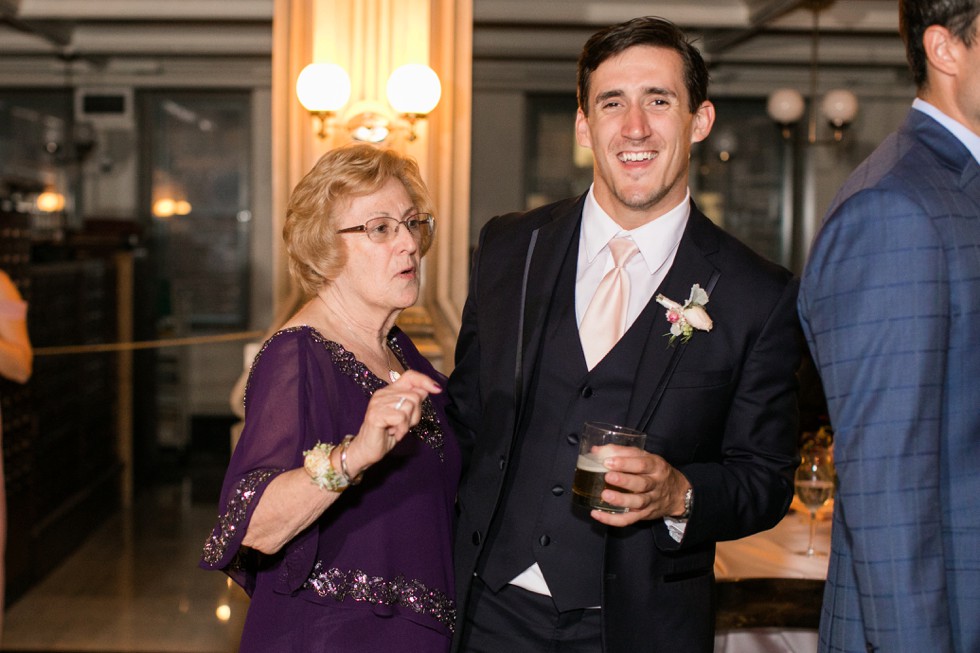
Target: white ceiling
(143,39)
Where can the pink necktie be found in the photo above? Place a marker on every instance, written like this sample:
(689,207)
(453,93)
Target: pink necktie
(604,322)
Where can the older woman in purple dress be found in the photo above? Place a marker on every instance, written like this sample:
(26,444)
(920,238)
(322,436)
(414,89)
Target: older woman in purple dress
(336,513)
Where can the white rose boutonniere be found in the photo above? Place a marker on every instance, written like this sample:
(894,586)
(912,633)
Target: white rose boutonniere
(685,318)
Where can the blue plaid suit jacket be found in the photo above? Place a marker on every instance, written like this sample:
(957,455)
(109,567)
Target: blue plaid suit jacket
(890,304)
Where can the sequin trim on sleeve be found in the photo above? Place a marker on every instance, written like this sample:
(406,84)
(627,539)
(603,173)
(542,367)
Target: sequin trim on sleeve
(234,516)
(358,586)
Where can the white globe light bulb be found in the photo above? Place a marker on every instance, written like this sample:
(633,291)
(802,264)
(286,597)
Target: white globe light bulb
(839,106)
(785,106)
(414,89)
(323,87)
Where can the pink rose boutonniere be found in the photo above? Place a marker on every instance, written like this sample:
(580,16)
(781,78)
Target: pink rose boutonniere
(685,318)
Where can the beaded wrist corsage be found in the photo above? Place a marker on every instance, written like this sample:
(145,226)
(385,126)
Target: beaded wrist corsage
(317,464)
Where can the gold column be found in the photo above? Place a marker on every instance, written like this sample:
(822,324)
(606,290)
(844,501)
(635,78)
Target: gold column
(370,38)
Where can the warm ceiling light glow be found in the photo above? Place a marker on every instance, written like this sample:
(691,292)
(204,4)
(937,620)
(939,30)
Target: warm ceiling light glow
(164,207)
(50,202)
(223,612)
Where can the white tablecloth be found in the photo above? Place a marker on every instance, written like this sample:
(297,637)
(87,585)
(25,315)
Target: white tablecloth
(775,553)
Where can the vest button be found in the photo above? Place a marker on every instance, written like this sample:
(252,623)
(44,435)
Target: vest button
(477,538)
(586,392)
(572,438)
(558,490)
(544,540)
(502,463)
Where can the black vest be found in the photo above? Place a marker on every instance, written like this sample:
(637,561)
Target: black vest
(536,521)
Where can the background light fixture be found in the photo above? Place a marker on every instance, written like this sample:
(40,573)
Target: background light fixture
(839,107)
(50,201)
(322,89)
(413,91)
(786,106)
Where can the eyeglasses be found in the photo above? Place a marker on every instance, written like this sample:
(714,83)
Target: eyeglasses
(383,230)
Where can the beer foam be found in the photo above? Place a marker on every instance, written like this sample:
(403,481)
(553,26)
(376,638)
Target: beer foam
(590,463)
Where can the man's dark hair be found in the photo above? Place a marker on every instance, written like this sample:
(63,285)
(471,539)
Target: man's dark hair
(649,30)
(915,16)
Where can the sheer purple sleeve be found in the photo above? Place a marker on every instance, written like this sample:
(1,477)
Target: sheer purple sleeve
(276,432)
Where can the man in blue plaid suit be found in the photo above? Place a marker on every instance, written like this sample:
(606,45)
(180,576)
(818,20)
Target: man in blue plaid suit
(890,303)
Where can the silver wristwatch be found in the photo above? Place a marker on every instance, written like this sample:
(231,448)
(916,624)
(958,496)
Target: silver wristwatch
(688,506)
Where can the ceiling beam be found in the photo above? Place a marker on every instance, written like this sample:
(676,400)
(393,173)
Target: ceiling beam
(763,11)
(593,14)
(57,34)
(761,14)
(146,10)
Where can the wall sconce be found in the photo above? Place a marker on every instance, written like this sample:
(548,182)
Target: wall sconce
(413,91)
(839,106)
(322,89)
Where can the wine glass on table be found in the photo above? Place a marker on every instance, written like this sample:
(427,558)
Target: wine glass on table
(814,483)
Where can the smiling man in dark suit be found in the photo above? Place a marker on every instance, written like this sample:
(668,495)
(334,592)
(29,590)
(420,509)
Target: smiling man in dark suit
(717,402)
(891,307)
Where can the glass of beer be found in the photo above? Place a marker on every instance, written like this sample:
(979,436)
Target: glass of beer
(590,473)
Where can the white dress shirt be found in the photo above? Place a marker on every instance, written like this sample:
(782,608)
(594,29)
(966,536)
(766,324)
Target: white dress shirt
(657,241)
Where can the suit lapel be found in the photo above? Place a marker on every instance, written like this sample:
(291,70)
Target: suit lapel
(945,146)
(550,245)
(970,178)
(658,360)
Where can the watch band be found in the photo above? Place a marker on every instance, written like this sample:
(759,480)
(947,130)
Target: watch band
(688,506)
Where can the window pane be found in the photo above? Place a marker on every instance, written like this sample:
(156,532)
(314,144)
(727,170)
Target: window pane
(736,176)
(200,205)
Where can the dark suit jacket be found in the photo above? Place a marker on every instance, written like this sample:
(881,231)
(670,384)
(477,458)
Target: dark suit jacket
(891,308)
(721,408)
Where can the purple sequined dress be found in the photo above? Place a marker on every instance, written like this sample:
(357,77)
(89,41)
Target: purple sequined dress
(374,573)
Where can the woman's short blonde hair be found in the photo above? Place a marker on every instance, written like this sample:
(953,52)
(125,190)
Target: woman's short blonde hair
(316,255)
